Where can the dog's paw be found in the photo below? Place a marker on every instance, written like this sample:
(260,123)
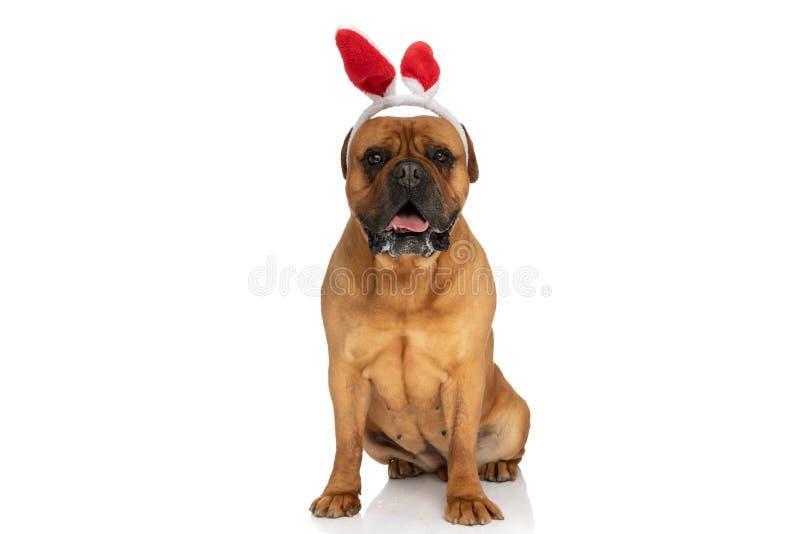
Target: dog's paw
(335,505)
(500,471)
(402,469)
(471,511)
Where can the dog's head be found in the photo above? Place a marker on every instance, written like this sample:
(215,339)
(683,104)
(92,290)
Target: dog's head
(407,181)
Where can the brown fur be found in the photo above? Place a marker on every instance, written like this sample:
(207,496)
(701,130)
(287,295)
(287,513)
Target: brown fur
(411,371)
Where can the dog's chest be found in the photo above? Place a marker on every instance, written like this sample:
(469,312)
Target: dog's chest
(407,365)
(405,401)
(401,375)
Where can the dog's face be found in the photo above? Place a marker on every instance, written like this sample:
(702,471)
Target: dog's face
(407,180)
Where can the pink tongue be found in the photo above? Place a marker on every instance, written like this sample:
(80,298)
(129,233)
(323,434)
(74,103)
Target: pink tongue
(408,223)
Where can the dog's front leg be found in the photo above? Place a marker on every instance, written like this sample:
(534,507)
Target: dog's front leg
(350,395)
(462,398)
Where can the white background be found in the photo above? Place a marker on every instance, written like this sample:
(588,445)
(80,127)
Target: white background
(641,156)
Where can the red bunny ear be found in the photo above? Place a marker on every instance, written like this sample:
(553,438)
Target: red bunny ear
(366,67)
(419,66)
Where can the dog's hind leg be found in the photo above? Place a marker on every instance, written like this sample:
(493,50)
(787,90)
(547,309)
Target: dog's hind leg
(401,463)
(500,471)
(503,433)
(402,469)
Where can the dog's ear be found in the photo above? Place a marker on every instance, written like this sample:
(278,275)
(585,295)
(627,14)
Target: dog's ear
(472,163)
(344,153)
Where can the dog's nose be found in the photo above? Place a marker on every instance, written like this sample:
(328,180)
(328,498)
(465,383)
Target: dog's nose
(408,173)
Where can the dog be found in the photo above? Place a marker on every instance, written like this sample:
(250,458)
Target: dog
(407,304)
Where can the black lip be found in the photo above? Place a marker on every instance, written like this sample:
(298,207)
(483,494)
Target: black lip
(417,243)
(436,222)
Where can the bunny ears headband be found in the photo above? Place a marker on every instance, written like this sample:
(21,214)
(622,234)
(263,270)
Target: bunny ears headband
(372,73)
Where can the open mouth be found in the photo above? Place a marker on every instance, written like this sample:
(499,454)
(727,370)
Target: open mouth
(407,220)
(409,232)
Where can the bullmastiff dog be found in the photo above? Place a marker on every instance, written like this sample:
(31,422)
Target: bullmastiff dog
(407,303)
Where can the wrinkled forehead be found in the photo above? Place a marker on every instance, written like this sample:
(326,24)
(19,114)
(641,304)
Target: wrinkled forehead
(398,133)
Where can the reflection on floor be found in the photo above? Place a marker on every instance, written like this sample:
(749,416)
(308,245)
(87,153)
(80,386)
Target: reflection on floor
(417,505)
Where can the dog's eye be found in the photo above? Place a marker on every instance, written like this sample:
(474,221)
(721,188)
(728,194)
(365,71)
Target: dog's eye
(441,156)
(376,159)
